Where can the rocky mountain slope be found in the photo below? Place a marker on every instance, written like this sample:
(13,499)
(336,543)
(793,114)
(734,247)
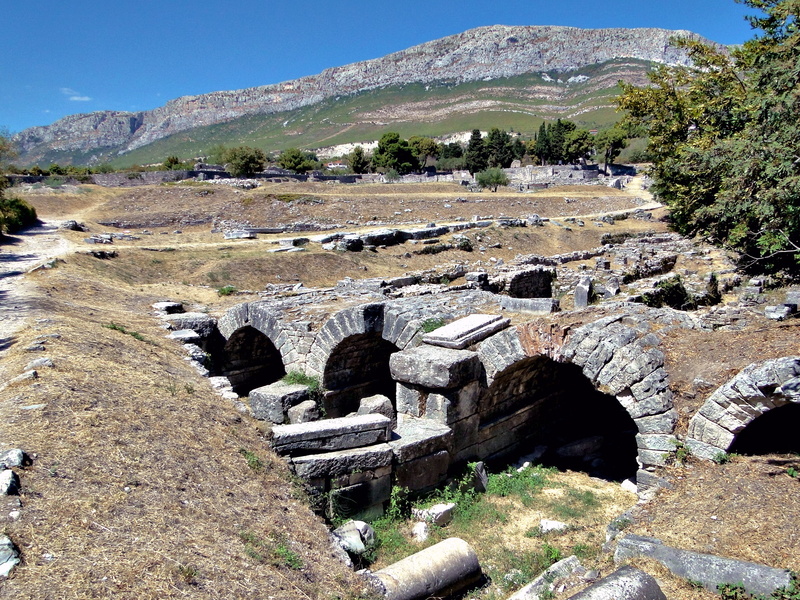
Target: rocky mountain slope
(487,54)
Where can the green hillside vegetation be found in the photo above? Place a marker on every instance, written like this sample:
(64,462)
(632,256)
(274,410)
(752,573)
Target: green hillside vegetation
(348,119)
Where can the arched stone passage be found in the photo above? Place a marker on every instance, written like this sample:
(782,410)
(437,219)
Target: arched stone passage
(537,403)
(618,360)
(356,368)
(732,408)
(249,360)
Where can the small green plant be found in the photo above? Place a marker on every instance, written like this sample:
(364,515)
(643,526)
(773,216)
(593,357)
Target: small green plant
(122,329)
(432,324)
(252,459)
(551,553)
(300,378)
(732,591)
(722,458)
(189,388)
(188,573)
(287,556)
(445,280)
(464,244)
(792,472)
(682,453)
(695,585)
(227,290)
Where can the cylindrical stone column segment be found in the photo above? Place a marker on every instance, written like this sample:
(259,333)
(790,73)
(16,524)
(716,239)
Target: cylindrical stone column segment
(443,569)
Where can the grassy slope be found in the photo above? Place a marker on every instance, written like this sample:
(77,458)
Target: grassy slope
(352,118)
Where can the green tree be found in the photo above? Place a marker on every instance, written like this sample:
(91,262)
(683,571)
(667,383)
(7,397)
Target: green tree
(244,161)
(491,178)
(723,138)
(476,158)
(358,161)
(541,148)
(578,145)
(423,148)
(297,161)
(609,143)
(393,152)
(15,214)
(172,162)
(499,148)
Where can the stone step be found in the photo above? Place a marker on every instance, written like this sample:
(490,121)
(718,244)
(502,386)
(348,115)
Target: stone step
(466,331)
(331,434)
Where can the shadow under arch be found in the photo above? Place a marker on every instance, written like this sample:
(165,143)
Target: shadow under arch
(552,410)
(357,367)
(249,360)
(774,432)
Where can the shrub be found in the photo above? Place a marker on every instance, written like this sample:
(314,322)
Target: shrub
(227,290)
(299,378)
(15,214)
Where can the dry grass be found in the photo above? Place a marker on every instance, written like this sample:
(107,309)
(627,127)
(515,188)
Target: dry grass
(138,488)
(122,413)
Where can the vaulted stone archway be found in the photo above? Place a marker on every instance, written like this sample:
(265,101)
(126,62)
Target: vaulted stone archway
(609,357)
(743,404)
(249,360)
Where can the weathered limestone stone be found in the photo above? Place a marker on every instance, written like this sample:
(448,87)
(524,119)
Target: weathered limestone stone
(40,363)
(170,308)
(331,464)
(9,483)
(271,402)
(305,412)
(355,536)
(663,423)
(530,305)
(583,292)
(9,556)
(202,323)
(434,367)
(466,331)
(186,336)
(423,474)
(330,434)
(441,570)
(707,569)
(419,532)
(548,525)
(380,405)
(450,407)
(438,514)
(416,438)
(626,583)
(410,399)
(546,582)
(12,458)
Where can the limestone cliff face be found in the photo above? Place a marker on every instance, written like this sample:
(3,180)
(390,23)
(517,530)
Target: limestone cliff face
(485,53)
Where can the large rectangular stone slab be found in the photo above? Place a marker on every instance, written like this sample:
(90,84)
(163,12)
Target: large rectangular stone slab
(331,434)
(271,402)
(332,464)
(466,331)
(415,438)
(708,569)
(423,473)
(435,367)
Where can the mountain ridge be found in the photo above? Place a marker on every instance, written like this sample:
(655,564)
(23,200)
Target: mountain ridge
(483,54)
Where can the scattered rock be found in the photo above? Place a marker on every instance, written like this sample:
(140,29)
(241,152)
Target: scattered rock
(12,458)
(419,532)
(9,483)
(547,525)
(356,537)
(39,363)
(9,556)
(438,514)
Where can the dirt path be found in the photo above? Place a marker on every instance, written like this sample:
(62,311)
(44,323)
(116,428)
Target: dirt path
(26,250)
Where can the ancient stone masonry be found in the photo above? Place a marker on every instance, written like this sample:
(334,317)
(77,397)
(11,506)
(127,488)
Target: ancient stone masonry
(756,390)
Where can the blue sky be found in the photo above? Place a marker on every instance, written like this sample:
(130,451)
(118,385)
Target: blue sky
(59,58)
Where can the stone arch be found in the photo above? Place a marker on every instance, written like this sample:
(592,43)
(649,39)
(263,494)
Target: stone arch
(250,360)
(731,408)
(538,403)
(245,319)
(618,359)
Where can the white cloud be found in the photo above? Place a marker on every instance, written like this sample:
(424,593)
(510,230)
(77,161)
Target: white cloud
(74,95)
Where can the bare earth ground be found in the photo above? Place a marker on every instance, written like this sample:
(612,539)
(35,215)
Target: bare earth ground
(139,485)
